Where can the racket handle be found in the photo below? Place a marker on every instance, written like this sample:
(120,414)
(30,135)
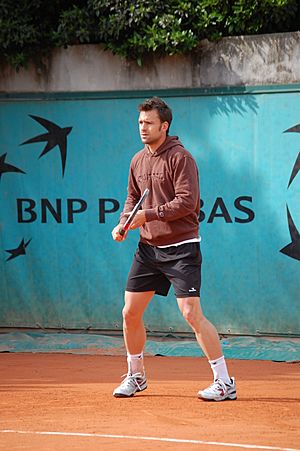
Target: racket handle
(122,231)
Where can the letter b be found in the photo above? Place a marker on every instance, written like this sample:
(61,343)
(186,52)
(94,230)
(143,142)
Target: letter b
(29,209)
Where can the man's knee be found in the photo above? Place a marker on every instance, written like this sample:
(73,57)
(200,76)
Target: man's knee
(130,315)
(191,311)
(135,305)
(190,317)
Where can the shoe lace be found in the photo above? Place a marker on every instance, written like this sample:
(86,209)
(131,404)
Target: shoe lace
(132,379)
(217,385)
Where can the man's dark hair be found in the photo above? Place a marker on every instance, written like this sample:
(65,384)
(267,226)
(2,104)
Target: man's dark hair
(163,110)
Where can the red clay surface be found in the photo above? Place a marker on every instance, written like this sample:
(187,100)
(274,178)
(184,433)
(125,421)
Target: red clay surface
(73,394)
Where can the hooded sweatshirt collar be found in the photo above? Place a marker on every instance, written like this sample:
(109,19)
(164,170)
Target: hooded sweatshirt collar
(170,141)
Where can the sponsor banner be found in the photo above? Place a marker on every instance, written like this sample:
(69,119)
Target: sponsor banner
(63,178)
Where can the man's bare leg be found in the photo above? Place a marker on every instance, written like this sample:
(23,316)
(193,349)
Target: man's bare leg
(206,333)
(135,339)
(133,325)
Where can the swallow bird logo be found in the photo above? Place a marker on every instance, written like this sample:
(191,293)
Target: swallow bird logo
(20,250)
(56,136)
(296,168)
(293,249)
(5,167)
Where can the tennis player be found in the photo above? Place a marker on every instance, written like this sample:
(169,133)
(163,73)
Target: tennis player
(169,248)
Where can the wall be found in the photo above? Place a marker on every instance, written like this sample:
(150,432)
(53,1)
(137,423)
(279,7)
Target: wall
(59,266)
(237,61)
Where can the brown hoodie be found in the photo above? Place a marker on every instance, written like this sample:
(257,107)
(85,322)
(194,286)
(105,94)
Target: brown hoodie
(173,204)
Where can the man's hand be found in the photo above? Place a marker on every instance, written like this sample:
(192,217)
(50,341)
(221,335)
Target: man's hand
(116,233)
(138,220)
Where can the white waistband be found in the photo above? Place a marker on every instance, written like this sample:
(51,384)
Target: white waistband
(191,240)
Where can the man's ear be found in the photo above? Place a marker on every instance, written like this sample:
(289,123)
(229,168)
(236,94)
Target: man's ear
(165,126)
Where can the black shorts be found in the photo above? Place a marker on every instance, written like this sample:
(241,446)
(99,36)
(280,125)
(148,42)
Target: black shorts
(155,269)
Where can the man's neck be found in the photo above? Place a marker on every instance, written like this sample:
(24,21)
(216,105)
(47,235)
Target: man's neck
(153,147)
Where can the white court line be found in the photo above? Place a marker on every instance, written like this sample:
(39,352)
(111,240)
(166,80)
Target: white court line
(155,439)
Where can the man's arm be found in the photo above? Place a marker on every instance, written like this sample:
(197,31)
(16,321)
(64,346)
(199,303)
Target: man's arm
(186,199)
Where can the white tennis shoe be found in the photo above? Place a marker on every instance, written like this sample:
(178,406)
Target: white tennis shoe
(131,384)
(219,391)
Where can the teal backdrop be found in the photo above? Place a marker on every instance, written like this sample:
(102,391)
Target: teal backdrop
(60,268)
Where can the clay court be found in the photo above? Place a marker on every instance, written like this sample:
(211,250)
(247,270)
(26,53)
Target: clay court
(64,402)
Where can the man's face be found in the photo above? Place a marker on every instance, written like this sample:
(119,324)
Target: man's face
(152,130)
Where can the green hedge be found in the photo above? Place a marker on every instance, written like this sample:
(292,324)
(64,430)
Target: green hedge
(134,29)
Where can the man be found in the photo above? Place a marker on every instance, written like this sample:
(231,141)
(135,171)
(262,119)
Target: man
(169,248)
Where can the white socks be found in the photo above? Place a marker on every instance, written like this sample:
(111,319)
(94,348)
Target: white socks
(135,363)
(219,369)
(218,366)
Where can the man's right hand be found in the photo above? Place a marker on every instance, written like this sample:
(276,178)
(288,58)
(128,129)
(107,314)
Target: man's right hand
(116,233)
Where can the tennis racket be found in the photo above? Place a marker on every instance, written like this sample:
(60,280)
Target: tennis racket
(125,227)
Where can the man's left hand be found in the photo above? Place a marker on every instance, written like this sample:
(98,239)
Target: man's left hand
(139,220)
